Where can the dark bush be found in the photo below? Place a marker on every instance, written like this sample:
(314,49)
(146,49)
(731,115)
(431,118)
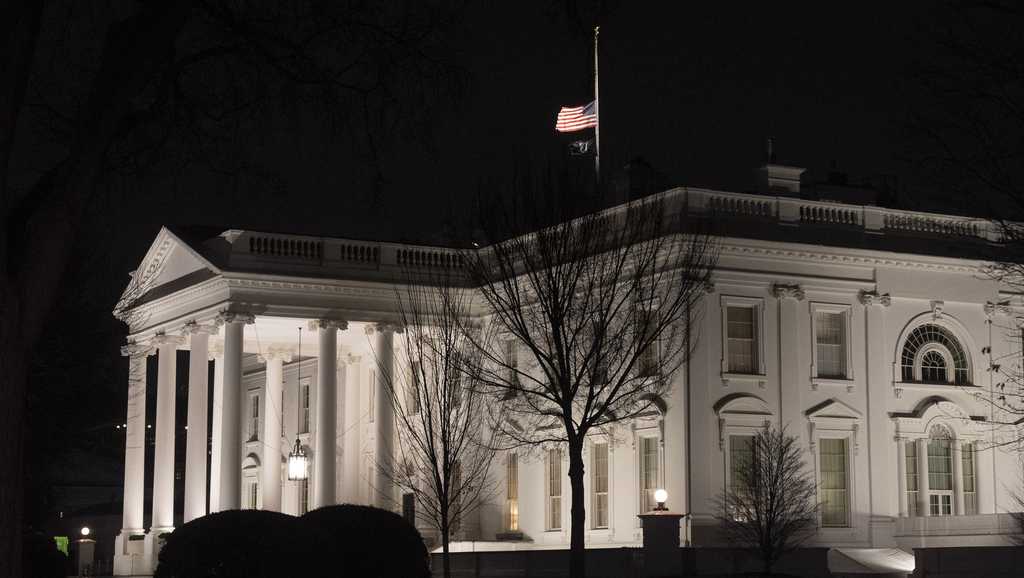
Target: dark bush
(244,544)
(41,558)
(374,543)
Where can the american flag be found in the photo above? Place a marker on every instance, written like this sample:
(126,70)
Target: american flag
(576,118)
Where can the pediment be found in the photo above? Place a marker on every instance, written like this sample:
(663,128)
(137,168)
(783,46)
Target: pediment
(742,404)
(169,264)
(833,409)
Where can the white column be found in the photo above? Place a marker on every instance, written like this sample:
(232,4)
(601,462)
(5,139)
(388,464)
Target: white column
(922,477)
(216,354)
(878,388)
(326,418)
(901,472)
(351,433)
(384,418)
(270,478)
(958,480)
(135,439)
(163,453)
(231,427)
(195,438)
(790,380)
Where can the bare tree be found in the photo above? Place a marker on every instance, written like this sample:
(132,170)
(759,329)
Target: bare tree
(594,314)
(445,449)
(770,502)
(97,93)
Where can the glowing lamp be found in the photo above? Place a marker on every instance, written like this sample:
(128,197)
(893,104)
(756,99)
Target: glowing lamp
(660,496)
(86,531)
(298,463)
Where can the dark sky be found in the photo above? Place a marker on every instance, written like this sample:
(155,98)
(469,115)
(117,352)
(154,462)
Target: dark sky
(695,88)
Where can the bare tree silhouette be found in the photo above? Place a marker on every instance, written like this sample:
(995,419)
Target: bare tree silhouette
(770,502)
(592,313)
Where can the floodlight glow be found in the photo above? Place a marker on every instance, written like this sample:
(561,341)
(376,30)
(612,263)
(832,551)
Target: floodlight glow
(660,496)
(85,530)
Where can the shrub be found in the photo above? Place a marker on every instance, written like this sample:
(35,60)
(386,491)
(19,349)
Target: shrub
(243,544)
(373,542)
(41,558)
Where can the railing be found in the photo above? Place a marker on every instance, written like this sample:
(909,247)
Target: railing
(305,252)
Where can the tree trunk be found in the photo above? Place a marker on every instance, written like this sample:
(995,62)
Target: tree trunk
(446,564)
(12,415)
(577,514)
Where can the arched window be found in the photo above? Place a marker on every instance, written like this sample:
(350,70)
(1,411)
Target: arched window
(932,354)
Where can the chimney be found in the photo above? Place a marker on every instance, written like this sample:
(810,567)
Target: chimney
(776,178)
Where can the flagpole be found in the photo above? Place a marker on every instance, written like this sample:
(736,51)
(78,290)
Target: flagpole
(597,111)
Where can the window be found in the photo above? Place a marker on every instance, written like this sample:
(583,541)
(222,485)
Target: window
(940,477)
(554,509)
(970,488)
(741,340)
(455,495)
(931,354)
(254,417)
(512,492)
(833,458)
(741,454)
(372,401)
(303,496)
(648,361)
(599,485)
(648,473)
(412,391)
(512,362)
(913,493)
(304,407)
(409,508)
(252,494)
(830,343)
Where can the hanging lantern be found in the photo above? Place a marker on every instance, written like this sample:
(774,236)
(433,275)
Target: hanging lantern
(298,463)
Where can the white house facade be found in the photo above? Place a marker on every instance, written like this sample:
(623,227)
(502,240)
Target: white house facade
(866,332)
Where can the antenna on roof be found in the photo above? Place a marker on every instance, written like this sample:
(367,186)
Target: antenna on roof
(771,150)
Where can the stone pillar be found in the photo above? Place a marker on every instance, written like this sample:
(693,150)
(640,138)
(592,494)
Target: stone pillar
(163,453)
(195,441)
(662,556)
(127,555)
(351,433)
(901,472)
(270,479)
(384,417)
(790,389)
(231,402)
(922,477)
(217,423)
(326,417)
(878,388)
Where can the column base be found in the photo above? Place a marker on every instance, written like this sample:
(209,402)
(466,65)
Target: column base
(882,531)
(129,553)
(153,543)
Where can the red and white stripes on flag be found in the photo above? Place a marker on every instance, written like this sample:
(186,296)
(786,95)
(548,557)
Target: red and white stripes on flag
(576,118)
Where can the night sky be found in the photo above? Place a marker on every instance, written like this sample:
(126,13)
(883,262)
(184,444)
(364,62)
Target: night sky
(693,88)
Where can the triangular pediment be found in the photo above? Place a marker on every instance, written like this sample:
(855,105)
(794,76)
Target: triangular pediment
(170,263)
(833,409)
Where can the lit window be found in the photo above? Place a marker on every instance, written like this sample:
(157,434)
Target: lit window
(554,509)
(304,407)
(932,354)
(970,489)
(254,417)
(741,456)
(940,474)
(252,495)
(913,493)
(833,482)
(648,473)
(741,332)
(599,485)
(830,346)
(512,493)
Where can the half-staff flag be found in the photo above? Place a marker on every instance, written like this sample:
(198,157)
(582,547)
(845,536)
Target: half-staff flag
(572,119)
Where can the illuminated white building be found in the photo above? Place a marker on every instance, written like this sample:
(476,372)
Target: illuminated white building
(865,331)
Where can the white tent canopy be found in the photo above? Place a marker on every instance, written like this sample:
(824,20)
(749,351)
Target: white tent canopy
(870,561)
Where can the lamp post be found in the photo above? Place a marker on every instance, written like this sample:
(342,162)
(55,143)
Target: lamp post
(660,497)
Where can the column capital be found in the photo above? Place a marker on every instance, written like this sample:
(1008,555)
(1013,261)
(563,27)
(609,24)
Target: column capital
(1001,308)
(164,339)
(228,316)
(215,350)
(208,327)
(787,291)
(339,324)
(274,353)
(869,298)
(384,327)
(135,349)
